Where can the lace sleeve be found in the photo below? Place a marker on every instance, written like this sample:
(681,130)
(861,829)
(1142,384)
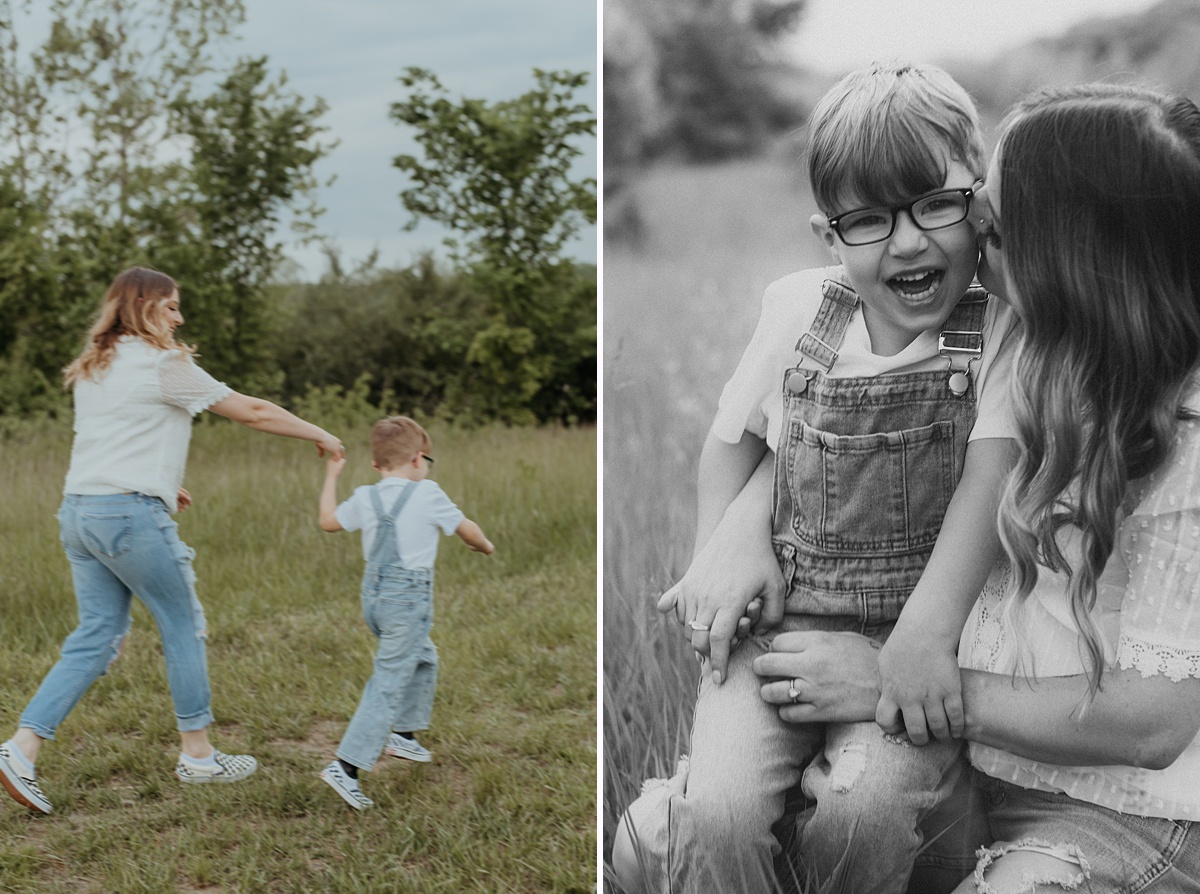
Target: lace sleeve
(187,386)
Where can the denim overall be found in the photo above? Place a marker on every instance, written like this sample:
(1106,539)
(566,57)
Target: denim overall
(398,608)
(865,469)
(864,472)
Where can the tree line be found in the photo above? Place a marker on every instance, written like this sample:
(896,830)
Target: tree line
(126,143)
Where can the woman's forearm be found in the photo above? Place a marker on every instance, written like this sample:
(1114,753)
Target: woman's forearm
(262,415)
(1132,721)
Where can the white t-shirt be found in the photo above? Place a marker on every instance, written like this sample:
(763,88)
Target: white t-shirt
(428,510)
(133,424)
(1148,613)
(753,397)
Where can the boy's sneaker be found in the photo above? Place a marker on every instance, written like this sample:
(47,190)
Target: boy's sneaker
(226,768)
(409,749)
(20,782)
(345,786)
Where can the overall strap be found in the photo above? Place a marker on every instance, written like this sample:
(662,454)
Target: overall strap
(961,338)
(384,550)
(821,342)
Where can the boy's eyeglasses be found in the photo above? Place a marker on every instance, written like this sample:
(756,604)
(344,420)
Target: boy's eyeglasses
(862,226)
(428,458)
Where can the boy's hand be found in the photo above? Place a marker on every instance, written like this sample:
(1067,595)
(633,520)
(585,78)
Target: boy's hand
(719,601)
(334,464)
(921,688)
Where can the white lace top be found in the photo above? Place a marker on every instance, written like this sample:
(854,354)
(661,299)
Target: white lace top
(1148,612)
(133,424)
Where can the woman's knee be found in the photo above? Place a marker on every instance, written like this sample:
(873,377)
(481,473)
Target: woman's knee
(1027,866)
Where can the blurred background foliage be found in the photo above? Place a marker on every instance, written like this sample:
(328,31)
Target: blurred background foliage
(700,81)
(127,144)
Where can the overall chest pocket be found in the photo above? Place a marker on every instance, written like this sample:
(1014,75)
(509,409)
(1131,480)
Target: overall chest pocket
(885,492)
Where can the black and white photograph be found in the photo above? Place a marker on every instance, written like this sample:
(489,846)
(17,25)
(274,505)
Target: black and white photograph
(901,451)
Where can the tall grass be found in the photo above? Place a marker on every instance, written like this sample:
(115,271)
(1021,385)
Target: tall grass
(677,316)
(508,805)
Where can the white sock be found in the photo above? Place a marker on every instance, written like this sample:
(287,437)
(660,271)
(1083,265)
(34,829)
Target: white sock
(19,755)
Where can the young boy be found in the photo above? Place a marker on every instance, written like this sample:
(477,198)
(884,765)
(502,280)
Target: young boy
(877,383)
(400,518)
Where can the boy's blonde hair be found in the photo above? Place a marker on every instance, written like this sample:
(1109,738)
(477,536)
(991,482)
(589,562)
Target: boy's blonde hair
(395,440)
(885,133)
(130,307)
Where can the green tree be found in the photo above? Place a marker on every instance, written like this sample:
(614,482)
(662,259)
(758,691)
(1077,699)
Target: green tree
(499,177)
(117,152)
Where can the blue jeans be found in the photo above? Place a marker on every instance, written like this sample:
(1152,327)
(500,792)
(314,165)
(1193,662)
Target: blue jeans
(119,546)
(398,608)
(715,826)
(1089,847)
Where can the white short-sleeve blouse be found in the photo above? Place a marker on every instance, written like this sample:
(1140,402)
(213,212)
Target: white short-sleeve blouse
(1148,613)
(133,422)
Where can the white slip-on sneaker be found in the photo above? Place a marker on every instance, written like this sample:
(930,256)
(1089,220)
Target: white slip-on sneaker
(408,749)
(228,768)
(345,786)
(20,783)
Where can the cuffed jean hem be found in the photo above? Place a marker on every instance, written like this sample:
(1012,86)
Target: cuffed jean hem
(194,723)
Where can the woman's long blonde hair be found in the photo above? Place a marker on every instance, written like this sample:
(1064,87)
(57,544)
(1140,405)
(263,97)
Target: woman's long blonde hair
(1100,221)
(131,306)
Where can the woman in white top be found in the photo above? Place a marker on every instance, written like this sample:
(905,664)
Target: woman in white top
(136,390)
(1081,659)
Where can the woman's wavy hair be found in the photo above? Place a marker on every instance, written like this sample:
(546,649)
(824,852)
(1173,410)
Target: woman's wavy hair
(130,307)
(1100,214)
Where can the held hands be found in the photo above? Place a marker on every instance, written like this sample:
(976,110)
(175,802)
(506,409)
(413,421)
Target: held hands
(731,589)
(331,447)
(921,687)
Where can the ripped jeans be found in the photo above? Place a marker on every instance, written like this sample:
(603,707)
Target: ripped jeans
(1048,841)
(717,825)
(120,545)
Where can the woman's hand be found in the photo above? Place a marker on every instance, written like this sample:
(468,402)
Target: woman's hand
(330,447)
(835,677)
(183,499)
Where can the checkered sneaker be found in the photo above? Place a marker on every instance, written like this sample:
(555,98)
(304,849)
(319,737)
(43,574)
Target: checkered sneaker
(20,783)
(345,786)
(228,768)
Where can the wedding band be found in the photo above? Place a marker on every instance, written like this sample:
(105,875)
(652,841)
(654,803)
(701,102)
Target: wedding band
(794,692)
(696,625)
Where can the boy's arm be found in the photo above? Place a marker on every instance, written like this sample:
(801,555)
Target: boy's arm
(473,536)
(737,563)
(918,665)
(723,471)
(327,506)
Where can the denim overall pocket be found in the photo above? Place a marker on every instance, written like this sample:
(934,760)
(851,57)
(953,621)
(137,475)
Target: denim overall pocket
(884,493)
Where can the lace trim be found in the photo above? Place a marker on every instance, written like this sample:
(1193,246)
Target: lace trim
(1175,664)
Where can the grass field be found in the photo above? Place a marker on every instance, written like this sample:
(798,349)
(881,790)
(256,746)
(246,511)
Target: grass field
(508,805)
(677,315)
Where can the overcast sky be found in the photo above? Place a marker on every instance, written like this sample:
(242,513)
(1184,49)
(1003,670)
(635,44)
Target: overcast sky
(837,35)
(351,52)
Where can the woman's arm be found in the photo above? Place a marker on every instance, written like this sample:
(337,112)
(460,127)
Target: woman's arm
(1133,721)
(262,415)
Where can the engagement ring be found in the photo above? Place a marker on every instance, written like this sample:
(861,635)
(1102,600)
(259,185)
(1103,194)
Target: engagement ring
(696,625)
(794,692)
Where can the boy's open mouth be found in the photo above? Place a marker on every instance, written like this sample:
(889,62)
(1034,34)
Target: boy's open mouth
(916,286)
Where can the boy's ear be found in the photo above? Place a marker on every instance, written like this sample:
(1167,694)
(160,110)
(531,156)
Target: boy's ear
(823,231)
